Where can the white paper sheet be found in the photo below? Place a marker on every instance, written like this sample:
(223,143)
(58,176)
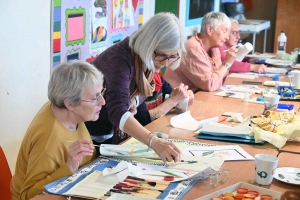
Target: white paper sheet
(93,186)
(243,76)
(242,130)
(225,152)
(242,88)
(186,121)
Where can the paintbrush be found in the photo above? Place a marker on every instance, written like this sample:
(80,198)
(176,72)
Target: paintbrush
(171,173)
(139,182)
(93,144)
(127,189)
(145,180)
(237,46)
(139,187)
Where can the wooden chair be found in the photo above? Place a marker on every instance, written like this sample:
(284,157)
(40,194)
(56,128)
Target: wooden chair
(6,176)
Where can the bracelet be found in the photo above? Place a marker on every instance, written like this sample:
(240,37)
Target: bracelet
(148,139)
(150,145)
(226,65)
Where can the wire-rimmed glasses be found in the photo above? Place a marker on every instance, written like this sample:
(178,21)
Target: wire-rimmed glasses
(97,99)
(162,57)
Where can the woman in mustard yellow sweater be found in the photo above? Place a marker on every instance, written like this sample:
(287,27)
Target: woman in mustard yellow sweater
(57,142)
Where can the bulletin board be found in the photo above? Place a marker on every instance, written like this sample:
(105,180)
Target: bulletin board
(82,29)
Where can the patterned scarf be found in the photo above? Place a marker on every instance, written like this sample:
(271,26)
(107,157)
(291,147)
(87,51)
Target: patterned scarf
(157,81)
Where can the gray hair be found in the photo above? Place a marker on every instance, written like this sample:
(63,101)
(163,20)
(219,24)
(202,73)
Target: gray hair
(215,19)
(163,33)
(234,21)
(69,80)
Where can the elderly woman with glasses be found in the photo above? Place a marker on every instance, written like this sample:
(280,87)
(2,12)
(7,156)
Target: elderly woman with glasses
(202,67)
(237,66)
(57,141)
(128,68)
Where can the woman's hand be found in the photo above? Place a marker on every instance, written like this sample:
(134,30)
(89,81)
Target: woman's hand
(76,151)
(132,106)
(259,68)
(191,97)
(179,93)
(167,151)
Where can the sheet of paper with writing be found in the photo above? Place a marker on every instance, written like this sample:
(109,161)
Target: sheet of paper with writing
(93,186)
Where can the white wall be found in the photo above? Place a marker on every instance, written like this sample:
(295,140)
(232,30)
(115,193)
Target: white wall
(25,67)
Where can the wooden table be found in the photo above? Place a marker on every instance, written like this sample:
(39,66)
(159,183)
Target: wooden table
(208,105)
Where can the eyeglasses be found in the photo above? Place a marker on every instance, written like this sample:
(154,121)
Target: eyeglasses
(162,57)
(235,33)
(97,99)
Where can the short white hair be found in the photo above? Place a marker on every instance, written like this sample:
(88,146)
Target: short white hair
(234,21)
(215,19)
(162,33)
(69,80)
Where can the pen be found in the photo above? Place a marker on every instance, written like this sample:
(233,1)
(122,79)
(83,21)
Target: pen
(237,46)
(93,144)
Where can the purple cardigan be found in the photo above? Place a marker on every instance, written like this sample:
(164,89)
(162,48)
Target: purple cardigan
(117,65)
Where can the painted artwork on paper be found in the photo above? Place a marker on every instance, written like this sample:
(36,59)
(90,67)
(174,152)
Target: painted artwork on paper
(83,29)
(127,151)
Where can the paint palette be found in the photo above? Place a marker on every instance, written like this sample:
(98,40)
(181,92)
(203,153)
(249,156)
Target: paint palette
(288,175)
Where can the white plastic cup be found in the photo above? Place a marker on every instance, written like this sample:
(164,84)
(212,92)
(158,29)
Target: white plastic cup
(183,105)
(264,168)
(271,101)
(296,79)
(243,50)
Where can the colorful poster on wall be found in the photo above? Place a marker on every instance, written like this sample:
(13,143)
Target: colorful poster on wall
(83,29)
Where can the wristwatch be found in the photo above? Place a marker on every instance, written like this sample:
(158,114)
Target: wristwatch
(226,65)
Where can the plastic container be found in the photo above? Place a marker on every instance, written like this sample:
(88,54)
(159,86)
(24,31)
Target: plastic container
(281,45)
(286,91)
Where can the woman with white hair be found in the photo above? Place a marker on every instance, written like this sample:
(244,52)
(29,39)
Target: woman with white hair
(237,66)
(128,68)
(57,142)
(202,67)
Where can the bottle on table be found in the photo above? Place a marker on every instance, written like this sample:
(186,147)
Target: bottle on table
(281,45)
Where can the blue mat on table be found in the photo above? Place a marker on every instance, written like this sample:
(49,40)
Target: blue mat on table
(64,184)
(227,138)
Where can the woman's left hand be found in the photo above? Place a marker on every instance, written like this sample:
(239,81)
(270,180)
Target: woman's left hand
(76,151)
(191,97)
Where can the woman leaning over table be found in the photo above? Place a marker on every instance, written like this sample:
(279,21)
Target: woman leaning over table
(128,68)
(202,67)
(244,66)
(57,142)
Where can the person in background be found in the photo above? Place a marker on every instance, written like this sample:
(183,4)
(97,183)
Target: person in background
(237,66)
(128,69)
(156,106)
(202,67)
(57,142)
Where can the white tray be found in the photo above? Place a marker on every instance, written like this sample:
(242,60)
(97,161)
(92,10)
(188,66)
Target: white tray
(233,188)
(256,26)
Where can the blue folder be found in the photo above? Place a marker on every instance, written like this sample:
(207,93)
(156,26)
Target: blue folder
(227,138)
